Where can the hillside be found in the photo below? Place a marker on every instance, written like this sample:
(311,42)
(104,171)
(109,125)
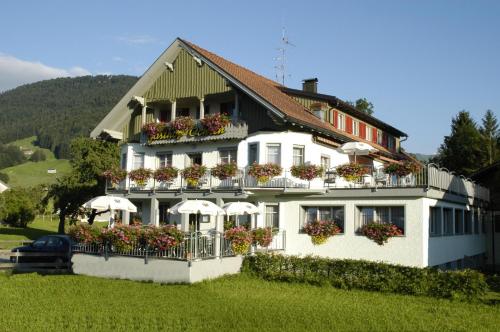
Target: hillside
(59,109)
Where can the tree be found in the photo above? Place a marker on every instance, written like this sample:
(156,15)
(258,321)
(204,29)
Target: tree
(89,159)
(461,152)
(37,156)
(363,105)
(491,137)
(4,177)
(18,207)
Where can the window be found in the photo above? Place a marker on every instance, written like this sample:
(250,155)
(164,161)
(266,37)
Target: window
(181,112)
(476,221)
(227,156)
(391,143)
(317,213)
(482,217)
(325,162)
(379,137)
(138,160)
(253,153)
(497,223)
(355,128)
(194,158)
(227,108)
(274,153)
(369,131)
(341,121)
(319,113)
(435,221)
(448,221)
(459,221)
(468,222)
(164,159)
(123,163)
(164,115)
(381,215)
(272,216)
(298,155)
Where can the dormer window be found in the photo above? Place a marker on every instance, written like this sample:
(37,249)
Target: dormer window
(319,110)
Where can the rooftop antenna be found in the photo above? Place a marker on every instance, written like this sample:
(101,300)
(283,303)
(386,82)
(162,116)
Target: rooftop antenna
(280,67)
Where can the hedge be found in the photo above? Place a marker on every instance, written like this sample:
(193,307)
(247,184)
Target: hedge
(372,276)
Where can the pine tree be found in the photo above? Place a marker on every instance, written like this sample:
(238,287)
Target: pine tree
(491,137)
(462,151)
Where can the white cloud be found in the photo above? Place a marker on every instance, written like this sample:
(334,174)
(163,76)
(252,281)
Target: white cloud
(15,72)
(138,40)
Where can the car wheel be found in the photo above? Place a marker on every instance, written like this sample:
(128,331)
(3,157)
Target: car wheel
(59,262)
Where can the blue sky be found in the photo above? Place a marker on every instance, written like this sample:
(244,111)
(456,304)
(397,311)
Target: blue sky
(419,62)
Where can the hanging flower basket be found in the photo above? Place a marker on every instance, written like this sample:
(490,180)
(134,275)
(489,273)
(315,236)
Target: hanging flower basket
(140,176)
(115,175)
(321,230)
(262,236)
(380,233)
(165,174)
(306,172)
(240,239)
(402,169)
(215,123)
(193,174)
(351,172)
(264,172)
(224,171)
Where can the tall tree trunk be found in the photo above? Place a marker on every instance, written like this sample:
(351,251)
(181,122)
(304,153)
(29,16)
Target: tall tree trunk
(62,219)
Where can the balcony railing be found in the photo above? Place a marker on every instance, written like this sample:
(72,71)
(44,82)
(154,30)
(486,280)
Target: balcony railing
(430,176)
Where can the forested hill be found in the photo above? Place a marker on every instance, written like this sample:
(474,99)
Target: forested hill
(59,109)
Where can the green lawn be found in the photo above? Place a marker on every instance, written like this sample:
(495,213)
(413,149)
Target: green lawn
(30,173)
(238,303)
(36,229)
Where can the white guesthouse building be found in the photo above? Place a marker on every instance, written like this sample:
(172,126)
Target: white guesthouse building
(441,214)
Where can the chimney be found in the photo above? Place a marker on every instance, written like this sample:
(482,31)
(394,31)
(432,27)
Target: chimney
(310,85)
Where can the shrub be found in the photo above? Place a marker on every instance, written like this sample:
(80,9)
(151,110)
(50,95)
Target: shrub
(214,123)
(165,174)
(18,206)
(115,175)
(121,237)
(264,172)
(161,238)
(240,239)
(84,233)
(404,168)
(193,174)
(321,230)
(306,172)
(140,176)
(380,233)
(4,177)
(37,156)
(351,171)
(358,274)
(262,236)
(224,171)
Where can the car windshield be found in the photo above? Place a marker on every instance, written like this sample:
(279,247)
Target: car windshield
(40,242)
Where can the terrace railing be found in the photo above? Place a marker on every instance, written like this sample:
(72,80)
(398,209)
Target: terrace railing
(430,176)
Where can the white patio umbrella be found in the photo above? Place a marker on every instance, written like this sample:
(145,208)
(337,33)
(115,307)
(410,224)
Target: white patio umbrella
(240,208)
(195,207)
(357,149)
(112,203)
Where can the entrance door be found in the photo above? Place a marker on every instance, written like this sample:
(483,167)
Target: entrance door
(164,215)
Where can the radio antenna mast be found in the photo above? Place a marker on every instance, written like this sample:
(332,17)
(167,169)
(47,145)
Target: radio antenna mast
(280,66)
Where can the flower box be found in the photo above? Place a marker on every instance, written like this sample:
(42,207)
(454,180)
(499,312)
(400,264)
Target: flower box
(224,171)
(264,172)
(193,174)
(140,176)
(306,172)
(321,230)
(351,172)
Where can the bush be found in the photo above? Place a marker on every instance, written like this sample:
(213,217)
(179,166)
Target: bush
(358,274)
(37,156)
(4,177)
(18,207)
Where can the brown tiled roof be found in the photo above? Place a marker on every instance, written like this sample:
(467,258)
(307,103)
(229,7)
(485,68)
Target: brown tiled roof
(271,91)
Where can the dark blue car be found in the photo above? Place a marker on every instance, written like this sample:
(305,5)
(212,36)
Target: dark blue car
(48,249)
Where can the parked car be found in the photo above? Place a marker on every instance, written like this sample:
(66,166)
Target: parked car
(56,247)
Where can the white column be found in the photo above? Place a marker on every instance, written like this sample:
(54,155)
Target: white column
(202,108)
(154,214)
(143,114)
(219,228)
(236,111)
(125,217)
(173,110)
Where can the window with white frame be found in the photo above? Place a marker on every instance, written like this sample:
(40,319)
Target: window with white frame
(138,161)
(323,213)
(227,156)
(447,221)
(123,163)
(325,163)
(381,215)
(355,127)
(298,155)
(253,153)
(274,153)
(163,159)
(369,133)
(434,221)
(379,137)
(272,216)
(341,121)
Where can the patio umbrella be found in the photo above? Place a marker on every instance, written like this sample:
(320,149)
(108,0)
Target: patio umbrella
(240,208)
(195,207)
(357,149)
(102,203)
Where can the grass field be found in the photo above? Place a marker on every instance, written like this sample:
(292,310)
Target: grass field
(36,229)
(238,303)
(30,173)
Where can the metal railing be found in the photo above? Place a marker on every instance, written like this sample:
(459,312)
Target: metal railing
(430,176)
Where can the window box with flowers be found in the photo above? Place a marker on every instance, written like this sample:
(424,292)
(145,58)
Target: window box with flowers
(262,236)
(193,174)
(165,174)
(351,172)
(402,169)
(214,123)
(380,232)
(240,238)
(140,176)
(264,172)
(115,175)
(181,126)
(224,171)
(306,172)
(321,230)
